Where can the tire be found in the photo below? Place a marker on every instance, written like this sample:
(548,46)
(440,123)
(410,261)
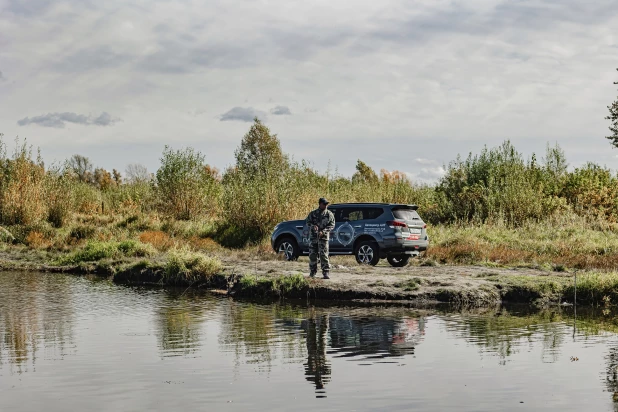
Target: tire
(288,247)
(398,261)
(367,253)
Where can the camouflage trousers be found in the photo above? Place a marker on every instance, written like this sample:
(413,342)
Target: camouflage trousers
(318,248)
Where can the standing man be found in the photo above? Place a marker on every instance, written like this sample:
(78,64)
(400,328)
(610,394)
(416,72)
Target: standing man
(320,222)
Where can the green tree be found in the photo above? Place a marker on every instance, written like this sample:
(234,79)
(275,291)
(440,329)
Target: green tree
(186,190)
(260,152)
(613,118)
(364,174)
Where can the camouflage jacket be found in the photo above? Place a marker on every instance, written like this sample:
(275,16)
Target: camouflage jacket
(324,220)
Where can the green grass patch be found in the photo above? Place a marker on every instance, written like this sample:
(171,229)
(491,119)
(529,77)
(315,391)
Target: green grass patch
(409,285)
(185,266)
(95,251)
(281,285)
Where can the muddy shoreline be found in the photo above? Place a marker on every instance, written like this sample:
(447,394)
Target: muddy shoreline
(466,285)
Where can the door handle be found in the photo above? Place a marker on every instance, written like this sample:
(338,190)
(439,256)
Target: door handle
(299,227)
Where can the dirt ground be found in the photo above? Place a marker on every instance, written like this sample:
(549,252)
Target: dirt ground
(466,284)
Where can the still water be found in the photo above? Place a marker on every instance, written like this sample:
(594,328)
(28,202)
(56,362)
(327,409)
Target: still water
(77,344)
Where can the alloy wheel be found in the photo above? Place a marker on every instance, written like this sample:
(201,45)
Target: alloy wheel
(287,249)
(365,254)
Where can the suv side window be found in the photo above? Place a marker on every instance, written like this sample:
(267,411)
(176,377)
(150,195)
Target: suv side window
(373,212)
(351,214)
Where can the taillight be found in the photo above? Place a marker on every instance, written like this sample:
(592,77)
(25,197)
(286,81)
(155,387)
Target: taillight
(393,224)
(424,226)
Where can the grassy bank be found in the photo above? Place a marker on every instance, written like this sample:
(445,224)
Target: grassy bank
(256,272)
(188,223)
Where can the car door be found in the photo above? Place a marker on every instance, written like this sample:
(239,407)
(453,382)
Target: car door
(359,220)
(335,239)
(348,228)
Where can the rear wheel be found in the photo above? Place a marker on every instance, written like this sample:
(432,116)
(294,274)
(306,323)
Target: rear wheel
(398,261)
(367,253)
(288,248)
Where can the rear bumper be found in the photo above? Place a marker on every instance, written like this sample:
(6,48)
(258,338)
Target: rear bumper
(399,246)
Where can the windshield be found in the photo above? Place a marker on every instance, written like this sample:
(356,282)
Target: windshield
(406,214)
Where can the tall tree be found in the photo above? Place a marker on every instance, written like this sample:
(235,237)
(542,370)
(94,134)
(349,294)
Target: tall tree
(82,167)
(364,173)
(260,152)
(613,118)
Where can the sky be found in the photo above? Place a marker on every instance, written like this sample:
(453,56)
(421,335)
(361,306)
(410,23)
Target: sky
(399,84)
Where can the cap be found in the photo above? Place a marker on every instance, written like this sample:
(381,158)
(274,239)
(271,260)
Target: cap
(323,201)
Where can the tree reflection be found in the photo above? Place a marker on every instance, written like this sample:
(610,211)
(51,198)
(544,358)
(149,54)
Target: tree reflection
(257,331)
(35,310)
(179,321)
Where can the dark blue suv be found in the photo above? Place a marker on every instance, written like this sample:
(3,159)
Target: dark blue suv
(369,231)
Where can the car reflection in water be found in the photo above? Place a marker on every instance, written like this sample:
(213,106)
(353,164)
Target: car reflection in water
(366,338)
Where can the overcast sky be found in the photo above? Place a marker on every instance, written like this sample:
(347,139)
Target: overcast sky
(400,84)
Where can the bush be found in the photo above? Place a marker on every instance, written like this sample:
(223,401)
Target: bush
(185,266)
(186,186)
(59,197)
(82,232)
(22,199)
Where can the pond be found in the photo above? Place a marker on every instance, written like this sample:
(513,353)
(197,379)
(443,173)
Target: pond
(74,344)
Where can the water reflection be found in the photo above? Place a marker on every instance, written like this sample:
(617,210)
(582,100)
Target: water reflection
(219,342)
(371,337)
(36,315)
(179,320)
(317,367)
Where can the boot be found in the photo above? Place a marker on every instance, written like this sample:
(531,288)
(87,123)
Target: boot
(312,274)
(325,274)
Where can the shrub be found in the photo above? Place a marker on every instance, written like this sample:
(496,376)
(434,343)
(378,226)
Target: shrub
(186,266)
(81,232)
(186,187)
(160,240)
(36,240)
(21,186)
(59,197)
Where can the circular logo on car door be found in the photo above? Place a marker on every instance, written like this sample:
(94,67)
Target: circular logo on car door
(345,234)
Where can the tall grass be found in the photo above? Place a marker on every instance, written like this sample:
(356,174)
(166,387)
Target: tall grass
(187,198)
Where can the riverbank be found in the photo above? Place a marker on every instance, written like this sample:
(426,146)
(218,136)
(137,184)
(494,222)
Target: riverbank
(252,275)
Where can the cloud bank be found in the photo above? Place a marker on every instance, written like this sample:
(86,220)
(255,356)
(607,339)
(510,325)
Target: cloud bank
(59,120)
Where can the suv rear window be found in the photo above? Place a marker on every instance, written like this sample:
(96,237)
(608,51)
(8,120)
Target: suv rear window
(406,214)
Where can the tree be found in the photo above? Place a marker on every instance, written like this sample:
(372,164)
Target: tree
(103,179)
(137,173)
(82,167)
(260,152)
(613,118)
(117,177)
(364,174)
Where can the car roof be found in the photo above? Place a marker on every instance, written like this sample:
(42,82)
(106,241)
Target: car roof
(373,204)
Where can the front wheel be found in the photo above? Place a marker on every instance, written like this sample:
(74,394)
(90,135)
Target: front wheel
(288,248)
(367,253)
(398,261)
